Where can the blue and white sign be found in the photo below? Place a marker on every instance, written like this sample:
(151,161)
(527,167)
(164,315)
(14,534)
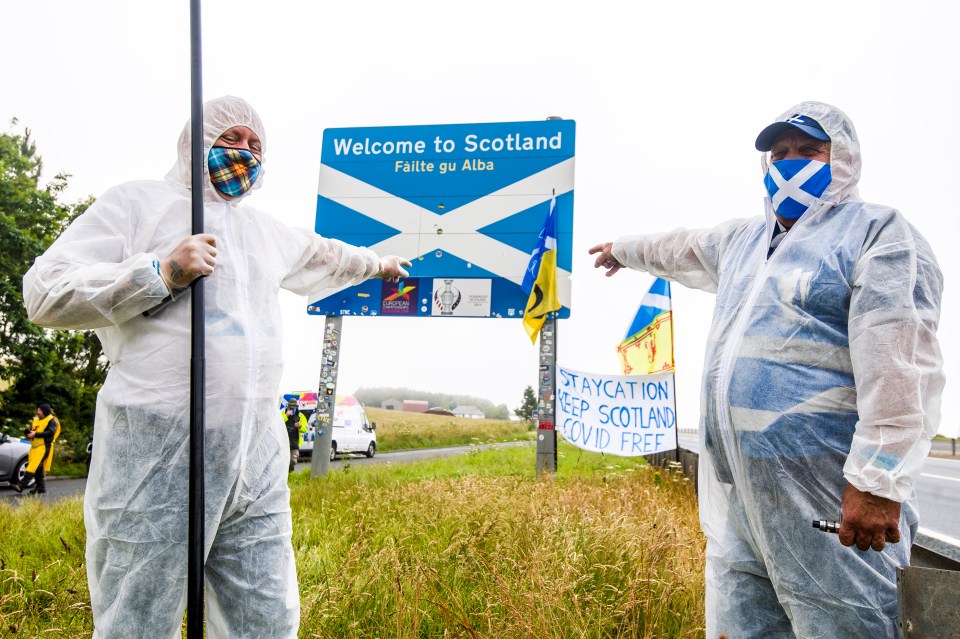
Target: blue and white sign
(463,202)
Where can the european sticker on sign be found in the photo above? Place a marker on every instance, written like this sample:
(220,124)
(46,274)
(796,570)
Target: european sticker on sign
(464,202)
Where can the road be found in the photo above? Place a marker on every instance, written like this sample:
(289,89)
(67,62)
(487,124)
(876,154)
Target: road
(939,495)
(68,487)
(938,491)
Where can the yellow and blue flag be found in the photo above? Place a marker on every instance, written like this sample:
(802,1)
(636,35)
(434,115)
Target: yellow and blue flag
(540,280)
(648,345)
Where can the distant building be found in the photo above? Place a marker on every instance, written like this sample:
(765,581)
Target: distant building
(437,410)
(391,404)
(468,411)
(415,406)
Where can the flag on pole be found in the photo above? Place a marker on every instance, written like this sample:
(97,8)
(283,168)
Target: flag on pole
(648,345)
(540,280)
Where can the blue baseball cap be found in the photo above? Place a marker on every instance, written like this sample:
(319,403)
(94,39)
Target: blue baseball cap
(797,121)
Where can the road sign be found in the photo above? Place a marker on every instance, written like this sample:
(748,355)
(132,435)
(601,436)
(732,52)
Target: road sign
(464,202)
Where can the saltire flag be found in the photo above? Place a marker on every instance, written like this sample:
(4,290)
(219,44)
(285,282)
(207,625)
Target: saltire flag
(648,345)
(540,280)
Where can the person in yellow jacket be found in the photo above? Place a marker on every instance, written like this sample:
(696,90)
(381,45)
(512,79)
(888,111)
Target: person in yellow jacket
(296,423)
(43,432)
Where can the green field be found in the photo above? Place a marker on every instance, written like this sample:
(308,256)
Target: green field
(467,546)
(400,431)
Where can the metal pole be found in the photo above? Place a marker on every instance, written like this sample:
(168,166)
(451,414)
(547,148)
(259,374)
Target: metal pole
(676,404)
(326,397)
(546,402)
(195,542)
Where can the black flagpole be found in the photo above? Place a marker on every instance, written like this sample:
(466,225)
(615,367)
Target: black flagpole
(195,544)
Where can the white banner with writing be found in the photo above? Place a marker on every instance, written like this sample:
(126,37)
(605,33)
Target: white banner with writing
(626,415)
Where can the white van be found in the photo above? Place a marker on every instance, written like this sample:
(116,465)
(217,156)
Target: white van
(352,431)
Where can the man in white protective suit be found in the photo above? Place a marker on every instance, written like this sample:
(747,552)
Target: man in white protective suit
(821,388)
(122,268)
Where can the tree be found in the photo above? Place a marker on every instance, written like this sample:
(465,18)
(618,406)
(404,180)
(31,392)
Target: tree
(528,406)
(63,368)
(500,411)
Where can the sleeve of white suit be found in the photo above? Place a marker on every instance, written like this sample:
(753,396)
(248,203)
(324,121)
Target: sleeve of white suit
(325,263)
(897,364)
(86,279)
(689,257)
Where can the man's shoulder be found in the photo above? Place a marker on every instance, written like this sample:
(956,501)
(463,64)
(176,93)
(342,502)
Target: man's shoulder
(739,229)
(868,211)
(882,223)
(258,216)
(136,189)
(875,218)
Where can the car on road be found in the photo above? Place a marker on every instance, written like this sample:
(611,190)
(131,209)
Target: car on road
(352,431)
(13,458)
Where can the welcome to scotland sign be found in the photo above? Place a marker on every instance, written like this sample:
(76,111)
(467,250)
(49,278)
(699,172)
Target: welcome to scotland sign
(463,202)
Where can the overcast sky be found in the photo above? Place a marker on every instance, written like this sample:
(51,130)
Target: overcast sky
(668,98)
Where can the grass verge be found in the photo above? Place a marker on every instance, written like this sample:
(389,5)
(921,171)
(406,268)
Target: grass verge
(469,546)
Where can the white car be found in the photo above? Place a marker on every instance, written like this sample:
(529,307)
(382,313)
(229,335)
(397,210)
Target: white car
(13,458)
(352,431)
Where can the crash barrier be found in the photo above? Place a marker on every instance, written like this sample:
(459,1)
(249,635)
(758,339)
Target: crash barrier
(926,589)
(927,601)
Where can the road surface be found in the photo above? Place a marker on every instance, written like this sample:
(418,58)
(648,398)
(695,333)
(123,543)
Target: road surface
(58,488)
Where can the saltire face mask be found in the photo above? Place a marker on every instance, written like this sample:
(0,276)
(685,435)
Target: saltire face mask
(232,171)
(795,185)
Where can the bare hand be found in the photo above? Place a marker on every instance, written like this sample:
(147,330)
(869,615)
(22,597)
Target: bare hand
(391,268)
(606,259)
(194,257)
(31,434)
(867,520)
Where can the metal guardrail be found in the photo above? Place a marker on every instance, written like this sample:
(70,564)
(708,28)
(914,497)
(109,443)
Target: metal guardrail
(927,602)
(927,589)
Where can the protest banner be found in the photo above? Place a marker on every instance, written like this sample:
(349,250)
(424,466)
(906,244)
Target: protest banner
(625,415)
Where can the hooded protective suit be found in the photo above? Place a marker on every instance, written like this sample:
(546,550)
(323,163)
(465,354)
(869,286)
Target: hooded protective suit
(101,273)
(822,367)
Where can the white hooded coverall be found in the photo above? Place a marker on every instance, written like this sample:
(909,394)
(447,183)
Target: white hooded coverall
(102,274)
(822,368)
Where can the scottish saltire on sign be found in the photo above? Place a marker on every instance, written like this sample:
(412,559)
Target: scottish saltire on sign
(464,202)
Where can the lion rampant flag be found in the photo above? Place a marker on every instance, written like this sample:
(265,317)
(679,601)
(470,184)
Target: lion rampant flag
(648,346)
(540,280)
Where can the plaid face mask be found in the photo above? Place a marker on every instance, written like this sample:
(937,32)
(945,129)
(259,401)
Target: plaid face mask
(232,171)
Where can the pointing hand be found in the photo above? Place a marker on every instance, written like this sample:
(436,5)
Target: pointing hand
(391,268)
(606,259)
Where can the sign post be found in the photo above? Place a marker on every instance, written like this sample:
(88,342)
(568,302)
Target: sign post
(326,397)
(546,402)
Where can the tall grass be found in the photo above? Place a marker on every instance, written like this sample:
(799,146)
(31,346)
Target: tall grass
(477,547)
(43,578)
(470,546)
